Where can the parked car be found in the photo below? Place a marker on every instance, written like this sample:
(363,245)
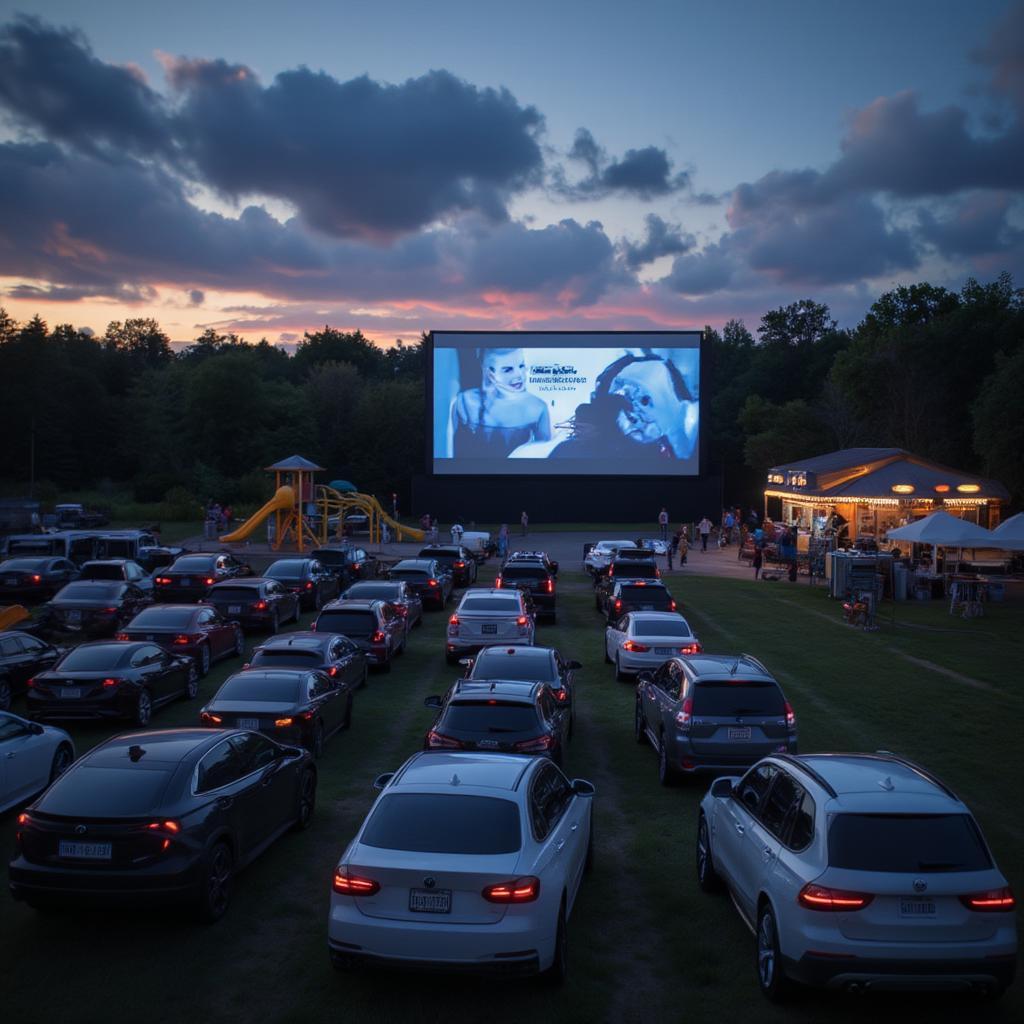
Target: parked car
(189,577)
(348,562)
(625,569)
(198,631)
(500,715)
(533,576)
(645,640)
(533,556)
(93,608)
(21,657)
(112,679)
(456,559)
(74,516)
(306,577)
(397,593)
(478,876)
(598,556)
(712,713)
(123,569)
(169,817)
(332,653)
(486,616)
(293,705)
(31,757)
(425,577)
(373,626)
(255,603)
(34,579)
(626,596)
(858,872)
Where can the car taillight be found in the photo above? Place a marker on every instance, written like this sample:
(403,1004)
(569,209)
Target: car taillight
(537,743)
(209,581)
(519,890)
(36,578)
(657,574)
(522,620)
(260,606)
(121,636)
(357,566)
(173,827)
(353,885)
(437,740)
(108,683)
(685,714)
(632,645)
(161,580)
(460,565)
(431,583)
(454,620)
(183,639)
(820,897)
(206,716)
(618,604)
(283,723)
(110,611)
(332,671)
(309,585)
(790,717)
(549,586)
(30,682)
(691,649)
(672,605)
(640,583)
(24,819)
(993,900)
(497,583)
(377,638)
(562,695)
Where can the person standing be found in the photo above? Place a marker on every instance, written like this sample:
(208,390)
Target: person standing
(681,545)
(663,523)
(457,533)
(704,528)
(670,550)
(729,523)
(503,540)
(758,561)
(524,521)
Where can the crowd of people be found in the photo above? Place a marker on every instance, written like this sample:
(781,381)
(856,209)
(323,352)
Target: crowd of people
(218,518)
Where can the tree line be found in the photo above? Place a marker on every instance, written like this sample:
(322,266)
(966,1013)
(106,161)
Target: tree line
(937,372)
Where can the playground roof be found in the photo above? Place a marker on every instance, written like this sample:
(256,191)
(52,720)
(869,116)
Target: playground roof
(296,462)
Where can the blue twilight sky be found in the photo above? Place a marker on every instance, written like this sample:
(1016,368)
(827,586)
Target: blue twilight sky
(267,168)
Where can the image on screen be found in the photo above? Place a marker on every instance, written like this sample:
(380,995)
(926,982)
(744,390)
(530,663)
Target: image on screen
(617,403)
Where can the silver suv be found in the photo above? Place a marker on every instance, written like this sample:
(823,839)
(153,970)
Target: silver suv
(485,617)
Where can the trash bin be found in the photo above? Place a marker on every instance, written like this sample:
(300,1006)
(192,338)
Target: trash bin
(899,582)
(996,591)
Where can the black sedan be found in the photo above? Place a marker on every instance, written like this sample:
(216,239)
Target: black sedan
(94,607)
(256,603)
(166,817)
(293,705)
(29,579)
(456,559)
(332,653)
(189,577)
(195,630)
(427,578)
(399,595)
(347,562)
(112,679)
(306,577)
(21,657)
(124,569)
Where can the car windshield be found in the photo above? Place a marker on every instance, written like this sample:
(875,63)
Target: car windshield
(727,698)
(107,792)
(527,667)
(443,823)
(491,719)
(92,591)
(373,591)
(348,622)
(102,656)
(102,572)
(163,618)
(906,843)
(261,688)
(661,627)
(287,656)
(506,605)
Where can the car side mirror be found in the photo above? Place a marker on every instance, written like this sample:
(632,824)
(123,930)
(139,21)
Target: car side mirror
(36,729)
(721,788)
(432,702)
(583,788)
(468,662)
(572,665)
(382,780)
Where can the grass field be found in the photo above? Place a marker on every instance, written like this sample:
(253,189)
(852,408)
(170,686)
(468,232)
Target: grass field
(645,944)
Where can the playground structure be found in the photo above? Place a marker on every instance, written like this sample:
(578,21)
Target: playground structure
(302,511)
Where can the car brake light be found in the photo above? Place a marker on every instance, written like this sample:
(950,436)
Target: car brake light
(437,739)
(121,636)
(790,717)
(37,578)
(353,885)
(685,714)
(672,605)
(544,742)
(993,900)
(561,695)
(640,583)
(549,586)
(820,897)
(24,819)
(522,620)
(691,649)
(309,585)
(632,645)
(162,581)
(182,640)
(460,565)
(173,827)
(497,583)
(431,583)
(357,565)
(519,890)
(260,606)
(210,581)
(657,574)
(109,611)
(283,723)
(377,638)
(206,716)
(332,671)
(618,604)
(107,683)
(454,620)
(30,682)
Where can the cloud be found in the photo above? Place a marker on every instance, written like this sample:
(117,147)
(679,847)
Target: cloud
(660,239)
(977,225)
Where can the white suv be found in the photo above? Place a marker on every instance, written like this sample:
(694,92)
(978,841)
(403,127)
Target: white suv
(488,616)
(858,871)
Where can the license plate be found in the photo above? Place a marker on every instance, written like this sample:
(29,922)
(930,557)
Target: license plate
(70,691)
(489,627)
(11,581)
(740,734)
(646,607)
(487,744)
(917,908)
(663,650)
(234,609)
(73,616)
(184,581)
(150,636)
(249,723)
(430,901)
(84,851)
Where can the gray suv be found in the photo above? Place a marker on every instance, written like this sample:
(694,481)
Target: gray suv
(712,713)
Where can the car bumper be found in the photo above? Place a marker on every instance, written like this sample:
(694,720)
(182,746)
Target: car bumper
(179,595)
(453,645)
(899,974)
(690,762)
(633,661)
(67,711)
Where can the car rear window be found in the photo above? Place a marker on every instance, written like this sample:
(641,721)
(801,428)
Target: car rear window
(350,623)
(409,574)
(92,591)
(507,605)
(195,563)
(491,718)
(661,627)
(906,843)
(636,570)
(373,591)
(287,656)
(239,594)
(102,572)
(94,792)
(444,823)
(737,697)
(22,565)
(524,572)
(287,570)
(526,668)
(105,656)
(163,618)
(260,688)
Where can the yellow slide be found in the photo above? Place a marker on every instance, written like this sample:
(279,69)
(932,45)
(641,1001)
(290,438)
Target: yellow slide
(282,501)
(396,528)
(334,502)
(11,614)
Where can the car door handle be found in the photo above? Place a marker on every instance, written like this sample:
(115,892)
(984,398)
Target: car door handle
(767,853)
(740,830)
(559,845)
(10,755)
(574,826)
(224,802)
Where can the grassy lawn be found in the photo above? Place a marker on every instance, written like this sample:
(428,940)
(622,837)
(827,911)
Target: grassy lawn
(645,944)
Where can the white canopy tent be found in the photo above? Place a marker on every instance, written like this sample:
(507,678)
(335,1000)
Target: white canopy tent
(1009,535)
(940,529)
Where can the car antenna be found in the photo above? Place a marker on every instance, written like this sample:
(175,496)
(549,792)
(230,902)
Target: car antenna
(456,781)
(136,753)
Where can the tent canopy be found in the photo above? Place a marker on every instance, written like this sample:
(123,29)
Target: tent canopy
(1009,535)
(940,528)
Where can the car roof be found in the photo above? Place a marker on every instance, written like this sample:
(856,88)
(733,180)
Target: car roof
(414,563)
(300,638)
(158,746)
(465,768)
(510,592)
(242,581)
(860,781)
(352,602)
(503,651)
(513,691)
(725,666)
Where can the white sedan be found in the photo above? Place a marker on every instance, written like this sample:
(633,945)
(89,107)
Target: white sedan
(465,861)
(600,555)
(31,757)
(644,640)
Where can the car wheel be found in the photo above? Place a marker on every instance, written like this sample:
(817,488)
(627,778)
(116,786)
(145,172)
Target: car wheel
(316,746)
(770,975)
(707,877)
(559,969)
(215,892)
(239,649)
(5,694)
(666,773)
(143,709)
(192,683)
(307,800)
(204,660)
(275,623)
(639,732)
(318,601)
(62,759)
(619,674)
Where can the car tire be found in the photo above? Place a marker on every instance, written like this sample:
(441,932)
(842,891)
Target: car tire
(639,731)
(239,651)
(559,969)
(316,747)
(62,759)
(192,683)
(215,887)
(708,879)
(318,601)
(307,801)
(143,709)
(5,694)
(275,622)
(666,773)
(771,977)
(204,660)
(297,613)
(619,674)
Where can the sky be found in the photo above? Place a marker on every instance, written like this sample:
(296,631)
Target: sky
(267,169)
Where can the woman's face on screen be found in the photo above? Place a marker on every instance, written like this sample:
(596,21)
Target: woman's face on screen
(655,408)
(505,369)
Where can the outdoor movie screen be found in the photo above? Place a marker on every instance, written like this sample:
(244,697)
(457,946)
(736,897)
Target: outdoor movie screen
(602,403)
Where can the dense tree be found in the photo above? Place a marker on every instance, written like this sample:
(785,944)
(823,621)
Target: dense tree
(776,434)
(999,422)
(333,346)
